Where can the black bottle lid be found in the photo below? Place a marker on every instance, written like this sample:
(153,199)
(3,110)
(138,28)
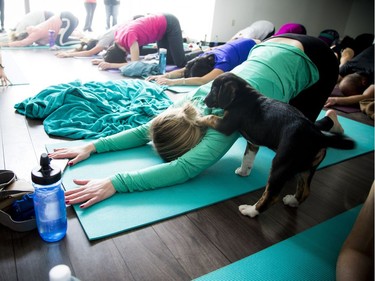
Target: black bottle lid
(45,174)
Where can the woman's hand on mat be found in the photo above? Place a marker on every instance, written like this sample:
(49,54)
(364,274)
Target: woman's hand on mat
(63,55)
(165,81)
(96,61)
(330,101)
(106,65)
(89,192)
(154,77)
(75,153)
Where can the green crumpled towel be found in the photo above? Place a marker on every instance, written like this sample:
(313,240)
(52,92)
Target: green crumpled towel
(95,109)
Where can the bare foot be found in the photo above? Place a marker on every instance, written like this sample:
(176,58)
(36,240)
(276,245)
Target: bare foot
(336,128)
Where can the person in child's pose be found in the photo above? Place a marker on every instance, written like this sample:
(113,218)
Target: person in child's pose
(208,65)
(164,29)
(291,27)
(92,46)
(189,149)
(356,79)
(63,26)
(258,30)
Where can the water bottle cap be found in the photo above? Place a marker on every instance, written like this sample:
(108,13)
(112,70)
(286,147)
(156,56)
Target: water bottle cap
(45,174)
(162,51)
(60,272)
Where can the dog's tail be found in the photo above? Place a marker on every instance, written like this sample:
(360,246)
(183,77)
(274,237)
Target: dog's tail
(338,141)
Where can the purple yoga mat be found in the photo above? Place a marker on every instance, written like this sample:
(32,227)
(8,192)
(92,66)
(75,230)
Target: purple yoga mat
(347,109)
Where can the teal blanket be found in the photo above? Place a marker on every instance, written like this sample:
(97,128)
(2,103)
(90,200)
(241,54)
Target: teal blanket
(95,109)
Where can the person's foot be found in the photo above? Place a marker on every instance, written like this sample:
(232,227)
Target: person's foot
(336,128)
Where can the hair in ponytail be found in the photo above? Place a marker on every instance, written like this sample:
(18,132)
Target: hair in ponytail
(176,131)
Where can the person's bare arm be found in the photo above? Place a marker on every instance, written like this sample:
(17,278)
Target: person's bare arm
(134,51)
(191,81)
(107,65)
(367,94)
(134,55)
(356,258)
(178,73)
(86,53)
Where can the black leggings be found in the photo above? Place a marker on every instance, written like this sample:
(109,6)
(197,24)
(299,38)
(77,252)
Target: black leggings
(172,41)
(69,23)
(311,100)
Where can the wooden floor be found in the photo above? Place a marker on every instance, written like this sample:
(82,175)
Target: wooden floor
(181,248)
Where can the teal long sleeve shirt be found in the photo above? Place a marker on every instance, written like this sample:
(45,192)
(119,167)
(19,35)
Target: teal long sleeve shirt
(211,148)
(265,74)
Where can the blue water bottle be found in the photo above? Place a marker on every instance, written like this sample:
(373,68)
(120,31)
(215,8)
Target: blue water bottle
(49,201)
(162,60)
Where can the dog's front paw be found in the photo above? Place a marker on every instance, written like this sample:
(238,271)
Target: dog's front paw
(290,200)
(248,210)
(243,172)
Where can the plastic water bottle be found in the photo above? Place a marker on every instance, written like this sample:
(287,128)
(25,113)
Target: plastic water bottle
(61,272)
(51,38)
(49,201)
(162,60)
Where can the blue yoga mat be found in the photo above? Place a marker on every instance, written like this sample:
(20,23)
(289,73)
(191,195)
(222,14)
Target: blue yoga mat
(309,256)
(127,211)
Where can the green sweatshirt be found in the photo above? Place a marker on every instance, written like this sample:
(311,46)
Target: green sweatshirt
(265,70)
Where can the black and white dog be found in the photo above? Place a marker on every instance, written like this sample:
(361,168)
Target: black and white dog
(299,145)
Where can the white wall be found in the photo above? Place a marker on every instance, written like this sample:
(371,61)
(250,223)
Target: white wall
(223,18)
(194,22)
(348,17)
(361,18)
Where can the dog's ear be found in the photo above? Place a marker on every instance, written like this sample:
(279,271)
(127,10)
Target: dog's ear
(227,93)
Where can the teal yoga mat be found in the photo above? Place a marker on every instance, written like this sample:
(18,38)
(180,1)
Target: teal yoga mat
(127,211)
(35,46)
(309,256)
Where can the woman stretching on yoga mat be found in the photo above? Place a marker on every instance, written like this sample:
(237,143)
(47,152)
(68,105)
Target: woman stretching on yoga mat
(92,46)
(164,29)
(208,65)
(63,26)
(191,149)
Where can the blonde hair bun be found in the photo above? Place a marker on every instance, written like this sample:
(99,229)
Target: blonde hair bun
(176,131)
